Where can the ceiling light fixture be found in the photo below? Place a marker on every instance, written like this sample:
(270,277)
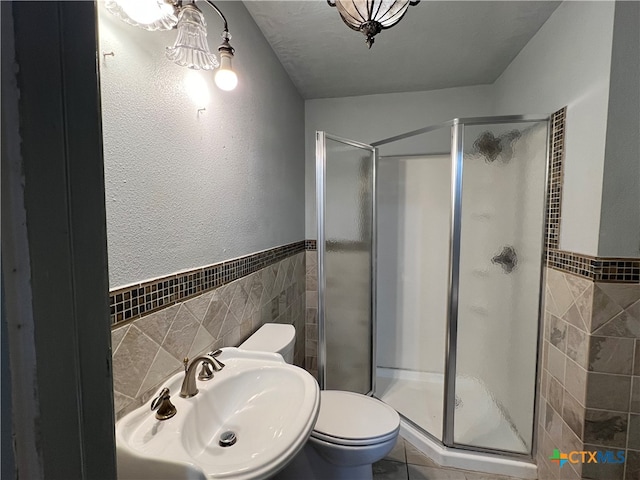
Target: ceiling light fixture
(371,16)
(190,49)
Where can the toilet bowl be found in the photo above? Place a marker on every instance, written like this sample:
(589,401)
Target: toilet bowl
(351,433)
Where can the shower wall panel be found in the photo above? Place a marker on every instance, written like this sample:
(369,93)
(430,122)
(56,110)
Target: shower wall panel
(414,210)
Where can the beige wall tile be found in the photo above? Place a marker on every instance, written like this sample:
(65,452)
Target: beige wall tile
(132,361)
(575,381)
(635,395)
(215,315)
(557,333)
(198,306)
(622,325)
(608,392)
(312,299)
(578,346)
(163,366)
(622,294)
(584,304)
(604,428)
(604,308)
(559,291)
(573,414)
(611,355)
(634,432)
(116,337)
(573,317)
(556,363)
(577,285)
(202,343)
(602,471)
(556,394)
(181,334)
(156,326)
(553,425)
(549,303)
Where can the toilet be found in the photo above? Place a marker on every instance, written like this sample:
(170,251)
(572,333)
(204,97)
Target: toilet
(352,431)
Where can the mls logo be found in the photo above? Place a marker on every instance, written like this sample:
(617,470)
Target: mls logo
(559,458)
(607,456)
(610,457)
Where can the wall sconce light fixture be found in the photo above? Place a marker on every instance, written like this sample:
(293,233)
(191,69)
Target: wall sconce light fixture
(371,16)
(190,48)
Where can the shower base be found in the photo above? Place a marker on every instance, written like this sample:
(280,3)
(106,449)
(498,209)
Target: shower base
(418,397)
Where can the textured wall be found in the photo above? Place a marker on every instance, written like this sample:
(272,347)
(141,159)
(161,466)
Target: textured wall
(620,217)
(186,189)
(149,350)
(567,63)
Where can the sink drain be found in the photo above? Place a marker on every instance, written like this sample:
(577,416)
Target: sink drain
(227,439)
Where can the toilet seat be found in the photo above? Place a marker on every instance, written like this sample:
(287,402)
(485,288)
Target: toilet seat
(352,419)
(361,442)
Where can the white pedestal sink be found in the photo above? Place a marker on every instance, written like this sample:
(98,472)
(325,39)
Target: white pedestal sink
(271,407)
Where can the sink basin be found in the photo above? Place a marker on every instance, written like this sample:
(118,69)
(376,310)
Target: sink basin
(271,407)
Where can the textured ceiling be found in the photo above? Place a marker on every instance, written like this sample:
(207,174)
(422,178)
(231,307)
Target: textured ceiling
(438,44)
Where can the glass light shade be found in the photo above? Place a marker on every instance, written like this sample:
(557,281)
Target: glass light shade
(191,49)
(148,14)
(371,16)
(226,78)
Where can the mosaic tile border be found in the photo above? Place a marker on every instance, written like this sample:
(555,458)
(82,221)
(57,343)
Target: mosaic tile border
(310,245)
(134,301)
(598,269)
(555,179)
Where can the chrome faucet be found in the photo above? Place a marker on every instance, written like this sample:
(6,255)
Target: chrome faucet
(189,387)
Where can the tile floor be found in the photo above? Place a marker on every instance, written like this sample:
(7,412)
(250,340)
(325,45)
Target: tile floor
(406,462)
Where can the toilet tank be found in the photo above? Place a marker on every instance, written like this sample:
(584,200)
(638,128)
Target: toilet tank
(273,337)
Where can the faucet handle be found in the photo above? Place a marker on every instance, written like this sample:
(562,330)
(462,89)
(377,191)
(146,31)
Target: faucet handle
(162,403)
(217,364)
(205,372)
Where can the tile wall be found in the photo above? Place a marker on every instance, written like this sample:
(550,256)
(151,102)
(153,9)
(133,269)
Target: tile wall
(136,300)
(150,348)
(590,378)
(311,312)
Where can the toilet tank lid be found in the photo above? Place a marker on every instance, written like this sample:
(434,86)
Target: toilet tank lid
(271,337)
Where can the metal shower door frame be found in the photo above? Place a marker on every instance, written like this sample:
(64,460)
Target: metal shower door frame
(321,171)
(457,165)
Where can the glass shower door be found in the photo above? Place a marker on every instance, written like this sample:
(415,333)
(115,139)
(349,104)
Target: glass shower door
(345,182)
(413,241)
(501,246)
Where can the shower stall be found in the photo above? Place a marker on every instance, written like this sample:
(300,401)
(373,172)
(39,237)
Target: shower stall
(430,273)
